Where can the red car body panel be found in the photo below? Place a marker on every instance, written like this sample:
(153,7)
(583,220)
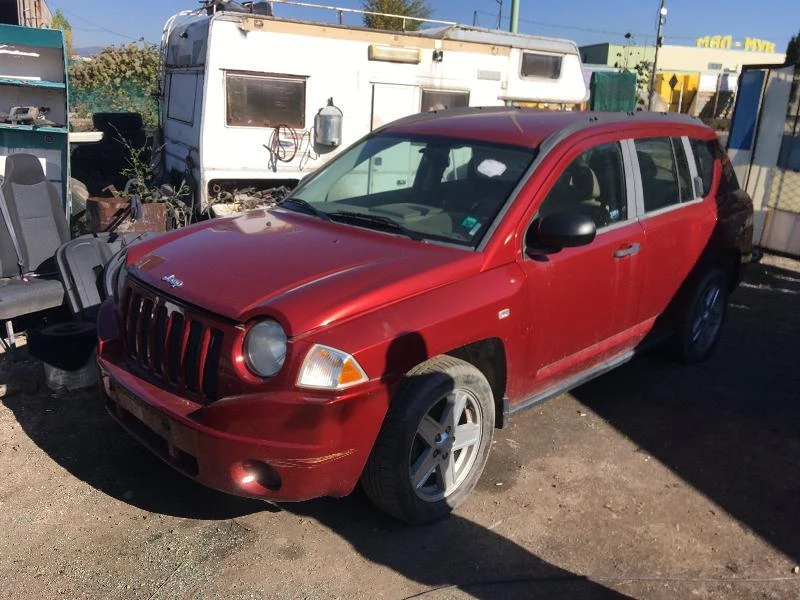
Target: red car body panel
(392,303)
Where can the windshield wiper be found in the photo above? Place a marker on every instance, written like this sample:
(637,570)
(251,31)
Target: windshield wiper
(305,207)
(374,221)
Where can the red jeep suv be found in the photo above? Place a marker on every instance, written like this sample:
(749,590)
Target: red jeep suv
(442,274)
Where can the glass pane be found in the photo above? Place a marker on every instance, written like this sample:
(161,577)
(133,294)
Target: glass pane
(684,176)
(704,159)
(659,173)
(260,101)
(440,100)
(440,188)
(593,185)
(540,65)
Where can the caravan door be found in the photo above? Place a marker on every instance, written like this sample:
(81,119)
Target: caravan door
(392,101)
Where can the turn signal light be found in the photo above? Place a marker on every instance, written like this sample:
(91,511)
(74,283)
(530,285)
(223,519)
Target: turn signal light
(326,368)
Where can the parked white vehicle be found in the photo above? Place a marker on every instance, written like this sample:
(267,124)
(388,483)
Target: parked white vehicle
(243,94)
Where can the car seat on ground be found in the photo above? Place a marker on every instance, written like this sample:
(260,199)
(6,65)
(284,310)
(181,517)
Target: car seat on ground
(30,233)
(38,261)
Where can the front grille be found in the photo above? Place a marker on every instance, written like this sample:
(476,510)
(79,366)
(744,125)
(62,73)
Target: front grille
(170,343)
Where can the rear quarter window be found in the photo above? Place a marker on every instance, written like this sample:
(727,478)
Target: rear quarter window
(704,156)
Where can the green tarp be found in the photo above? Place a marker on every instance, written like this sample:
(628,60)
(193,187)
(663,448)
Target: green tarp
(613,92)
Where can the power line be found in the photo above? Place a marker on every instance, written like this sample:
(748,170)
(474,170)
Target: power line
(99,27)
(591,30)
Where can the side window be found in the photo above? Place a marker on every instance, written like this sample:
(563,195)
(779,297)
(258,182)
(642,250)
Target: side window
(265,100)
(704,159)
(657,165)
(729,181)
(594,185)
(684,175)
(443,99)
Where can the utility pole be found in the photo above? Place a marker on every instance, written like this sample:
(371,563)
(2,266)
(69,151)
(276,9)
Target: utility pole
(514,26)
(662,17)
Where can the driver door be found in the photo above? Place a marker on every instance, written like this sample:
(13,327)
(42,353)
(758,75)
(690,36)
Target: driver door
(583,302)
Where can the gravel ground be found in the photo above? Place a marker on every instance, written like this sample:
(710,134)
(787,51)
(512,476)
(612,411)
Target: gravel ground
(654,481)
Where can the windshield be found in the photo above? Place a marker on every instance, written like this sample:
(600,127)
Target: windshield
(428,188)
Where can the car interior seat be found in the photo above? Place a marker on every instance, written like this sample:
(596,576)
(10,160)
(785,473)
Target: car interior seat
(39,263)
(33,227)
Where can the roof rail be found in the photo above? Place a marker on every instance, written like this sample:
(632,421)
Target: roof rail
(341,11)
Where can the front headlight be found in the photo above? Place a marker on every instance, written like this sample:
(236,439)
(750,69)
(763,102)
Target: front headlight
(265,348)
(326,368)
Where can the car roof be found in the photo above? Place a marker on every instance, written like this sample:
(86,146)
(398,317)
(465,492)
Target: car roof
(523,126)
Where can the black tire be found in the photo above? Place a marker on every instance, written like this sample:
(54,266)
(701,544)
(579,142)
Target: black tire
(688,345)
(437,384)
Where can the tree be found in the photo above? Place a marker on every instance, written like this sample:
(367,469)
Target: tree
(793,50)
(123,78)
(405,8)
(60,22)
(644,71)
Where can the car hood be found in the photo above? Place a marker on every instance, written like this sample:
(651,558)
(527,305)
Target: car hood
(306,272)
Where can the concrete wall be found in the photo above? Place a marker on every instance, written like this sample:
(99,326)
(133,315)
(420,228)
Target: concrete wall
(688,58)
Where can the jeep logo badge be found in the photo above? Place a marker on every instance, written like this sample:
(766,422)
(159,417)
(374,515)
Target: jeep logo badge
(172,280)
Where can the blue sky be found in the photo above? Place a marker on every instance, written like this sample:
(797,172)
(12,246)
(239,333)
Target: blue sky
(102,22)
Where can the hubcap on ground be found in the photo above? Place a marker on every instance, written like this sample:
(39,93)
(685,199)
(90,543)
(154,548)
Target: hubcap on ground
(445,445)
(707,317)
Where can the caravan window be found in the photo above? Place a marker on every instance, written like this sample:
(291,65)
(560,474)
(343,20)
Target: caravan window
(443,99)
(265,100)
(546,66)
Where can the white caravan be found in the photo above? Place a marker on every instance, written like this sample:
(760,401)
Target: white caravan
(255,100)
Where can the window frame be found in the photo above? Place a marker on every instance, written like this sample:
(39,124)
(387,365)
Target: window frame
(431,90)
(303,79)
(640,210)
(627,172)
(559,57)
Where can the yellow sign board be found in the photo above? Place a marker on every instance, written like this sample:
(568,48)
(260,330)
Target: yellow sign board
(725,42)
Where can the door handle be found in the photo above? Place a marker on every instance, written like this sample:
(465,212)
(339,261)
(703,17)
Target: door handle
(627,250)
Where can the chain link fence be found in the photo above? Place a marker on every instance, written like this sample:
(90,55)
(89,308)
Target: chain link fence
(128,98)
(785,188)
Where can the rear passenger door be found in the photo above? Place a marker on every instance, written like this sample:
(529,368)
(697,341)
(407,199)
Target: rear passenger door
(677,223)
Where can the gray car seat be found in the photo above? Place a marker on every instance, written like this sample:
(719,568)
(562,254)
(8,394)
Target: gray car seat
(38,261)
(30,209)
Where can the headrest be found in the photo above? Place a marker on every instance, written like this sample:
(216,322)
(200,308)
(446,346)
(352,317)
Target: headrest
(583,182)
(23,169)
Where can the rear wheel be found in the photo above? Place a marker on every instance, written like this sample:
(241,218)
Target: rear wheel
(699,329)
(434,442)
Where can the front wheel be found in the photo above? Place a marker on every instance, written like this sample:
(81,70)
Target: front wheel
(699,329)
(434,442)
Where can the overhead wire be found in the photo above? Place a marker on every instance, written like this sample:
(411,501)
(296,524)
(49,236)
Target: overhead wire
(100,27)
(587,29)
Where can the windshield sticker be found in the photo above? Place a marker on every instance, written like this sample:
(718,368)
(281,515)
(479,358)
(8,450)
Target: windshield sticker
(474,230)
(469,222)
(491,168)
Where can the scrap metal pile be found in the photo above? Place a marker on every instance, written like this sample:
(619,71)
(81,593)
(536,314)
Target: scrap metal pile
(247,198)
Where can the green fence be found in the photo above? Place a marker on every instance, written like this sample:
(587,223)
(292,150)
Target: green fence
(125,98)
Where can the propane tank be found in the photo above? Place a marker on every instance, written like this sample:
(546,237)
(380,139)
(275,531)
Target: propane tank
(328,125)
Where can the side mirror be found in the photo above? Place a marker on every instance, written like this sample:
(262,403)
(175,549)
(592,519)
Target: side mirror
(560,230)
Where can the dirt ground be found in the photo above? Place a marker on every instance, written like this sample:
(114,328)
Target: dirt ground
(654,481)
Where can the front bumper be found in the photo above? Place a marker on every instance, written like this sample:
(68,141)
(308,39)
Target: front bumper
(282,445)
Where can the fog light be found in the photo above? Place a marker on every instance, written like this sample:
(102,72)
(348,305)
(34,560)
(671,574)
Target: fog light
(262,474)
